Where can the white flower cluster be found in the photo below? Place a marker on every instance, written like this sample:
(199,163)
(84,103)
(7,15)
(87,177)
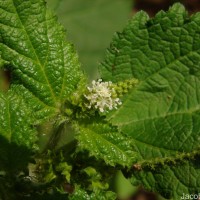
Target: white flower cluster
(100,96)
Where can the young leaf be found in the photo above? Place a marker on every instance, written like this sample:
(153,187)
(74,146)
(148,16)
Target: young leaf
(33,43)
(105,142)
(17,136)
(161,113)
(98,195)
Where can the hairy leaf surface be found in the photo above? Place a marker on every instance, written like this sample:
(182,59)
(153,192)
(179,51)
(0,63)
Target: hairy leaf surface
(161,113)
(172,182)
(17,136)
(33,43)
(105,142)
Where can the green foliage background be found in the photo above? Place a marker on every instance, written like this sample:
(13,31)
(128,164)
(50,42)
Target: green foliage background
(90,26)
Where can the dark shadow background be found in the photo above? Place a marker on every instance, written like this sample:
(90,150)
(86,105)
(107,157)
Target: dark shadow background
(153,6)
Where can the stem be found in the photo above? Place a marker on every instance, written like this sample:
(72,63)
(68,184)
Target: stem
(54,138)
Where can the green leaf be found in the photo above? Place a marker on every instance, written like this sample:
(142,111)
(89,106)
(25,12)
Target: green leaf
(32,41)
(105,142)
(96,179)
(90,26)
(17,136)
(98,195)
(171,182)
(162,113)
(65,170)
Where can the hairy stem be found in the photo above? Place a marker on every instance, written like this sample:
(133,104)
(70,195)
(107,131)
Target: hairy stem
(54,138)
